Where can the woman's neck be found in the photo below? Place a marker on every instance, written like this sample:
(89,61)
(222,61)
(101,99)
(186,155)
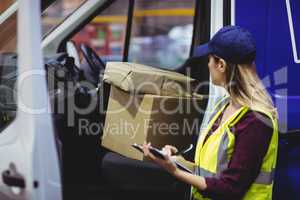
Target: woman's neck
(234,104)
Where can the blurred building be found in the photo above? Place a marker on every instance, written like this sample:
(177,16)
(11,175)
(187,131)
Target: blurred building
(161,31)
(5,4)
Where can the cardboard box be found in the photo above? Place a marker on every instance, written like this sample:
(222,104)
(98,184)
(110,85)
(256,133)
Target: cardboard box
(157,119)
(142,79)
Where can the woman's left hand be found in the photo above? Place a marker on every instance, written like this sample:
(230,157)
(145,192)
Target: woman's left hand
(167,163)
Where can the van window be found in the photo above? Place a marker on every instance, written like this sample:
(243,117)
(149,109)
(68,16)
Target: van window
(162,32)
(8,71)
(57,12)
(106,32)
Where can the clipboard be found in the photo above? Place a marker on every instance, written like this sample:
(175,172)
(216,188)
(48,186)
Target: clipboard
(158,153)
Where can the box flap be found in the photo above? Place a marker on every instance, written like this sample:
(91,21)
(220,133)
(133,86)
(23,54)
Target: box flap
(142,79)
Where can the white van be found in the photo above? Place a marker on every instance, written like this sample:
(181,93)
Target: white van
(44,152)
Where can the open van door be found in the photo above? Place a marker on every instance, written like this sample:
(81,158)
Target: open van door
(29,163)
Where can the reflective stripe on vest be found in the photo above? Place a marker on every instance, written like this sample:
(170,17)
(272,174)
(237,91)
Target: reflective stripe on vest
(262,178)
(213,156)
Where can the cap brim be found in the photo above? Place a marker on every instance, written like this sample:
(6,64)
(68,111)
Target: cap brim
(202,50)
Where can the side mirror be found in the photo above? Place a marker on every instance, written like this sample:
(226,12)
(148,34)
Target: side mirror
(73,52)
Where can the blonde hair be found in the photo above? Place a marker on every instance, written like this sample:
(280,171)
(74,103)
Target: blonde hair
(245,88)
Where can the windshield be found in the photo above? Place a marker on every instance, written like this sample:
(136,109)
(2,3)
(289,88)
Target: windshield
(57,12)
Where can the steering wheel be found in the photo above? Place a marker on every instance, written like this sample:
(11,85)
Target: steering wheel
(94,61)
(92,64)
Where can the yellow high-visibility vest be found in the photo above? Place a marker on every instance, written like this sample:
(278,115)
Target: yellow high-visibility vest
(213,156)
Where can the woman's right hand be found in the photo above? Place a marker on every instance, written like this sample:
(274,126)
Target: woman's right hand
(170,150)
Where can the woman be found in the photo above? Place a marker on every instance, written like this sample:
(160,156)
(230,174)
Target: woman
(236,155)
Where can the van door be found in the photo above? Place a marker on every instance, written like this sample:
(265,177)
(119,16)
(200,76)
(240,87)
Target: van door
(276,29)
(29,165)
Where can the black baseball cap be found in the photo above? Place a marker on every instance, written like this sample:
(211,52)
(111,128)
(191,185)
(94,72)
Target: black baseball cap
(232,43)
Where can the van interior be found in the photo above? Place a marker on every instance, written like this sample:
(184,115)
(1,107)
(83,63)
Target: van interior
(88,170)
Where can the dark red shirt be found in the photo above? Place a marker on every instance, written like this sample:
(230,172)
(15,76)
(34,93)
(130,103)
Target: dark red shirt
(252,138)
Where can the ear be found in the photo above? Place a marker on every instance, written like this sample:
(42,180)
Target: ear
(221,65)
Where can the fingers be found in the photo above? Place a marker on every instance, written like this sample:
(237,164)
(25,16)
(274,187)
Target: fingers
(152,157)
(167,151)
(147,153)
(172,149)
(167,163)
(174,158)
(146,149)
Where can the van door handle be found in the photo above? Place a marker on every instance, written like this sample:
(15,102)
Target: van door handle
(13,180)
